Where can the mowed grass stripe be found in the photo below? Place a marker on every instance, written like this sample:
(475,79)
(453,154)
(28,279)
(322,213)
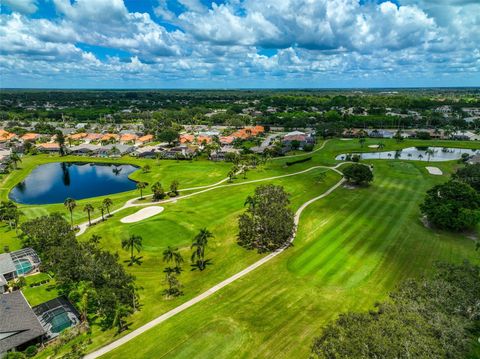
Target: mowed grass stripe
(394,240)
(322,251)
(374,243)
(359,232)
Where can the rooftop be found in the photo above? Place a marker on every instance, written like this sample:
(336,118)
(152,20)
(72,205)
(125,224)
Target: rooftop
(18,322)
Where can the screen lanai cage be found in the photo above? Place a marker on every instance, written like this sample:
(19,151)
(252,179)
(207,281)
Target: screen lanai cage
(26,261)
(56,315)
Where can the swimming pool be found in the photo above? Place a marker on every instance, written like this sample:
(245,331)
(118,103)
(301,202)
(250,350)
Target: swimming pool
(59,320)
(23,266)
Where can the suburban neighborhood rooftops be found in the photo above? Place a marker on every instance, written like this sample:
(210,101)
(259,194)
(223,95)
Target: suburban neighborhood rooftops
(18,322)
(30,136)
(145,138)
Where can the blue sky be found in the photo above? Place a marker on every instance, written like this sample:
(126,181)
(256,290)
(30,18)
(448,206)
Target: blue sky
(239,43)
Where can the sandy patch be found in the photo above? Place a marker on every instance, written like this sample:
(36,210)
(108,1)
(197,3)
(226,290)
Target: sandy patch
(373,146)
(346,139)
(434,171)
(142,214)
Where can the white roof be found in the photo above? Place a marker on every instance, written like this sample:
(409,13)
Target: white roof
(295,133)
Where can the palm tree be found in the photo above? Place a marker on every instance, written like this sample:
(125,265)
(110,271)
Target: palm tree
(430,153)
(70,204)
(199,244)
(361,140)
(89,209)
(15,158)
(174,187)
(141,186)
(107,202)
(101,208)
(173,255)
(132,243)
(119,320)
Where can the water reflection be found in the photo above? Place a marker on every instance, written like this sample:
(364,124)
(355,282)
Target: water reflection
(53,182)
(433,154)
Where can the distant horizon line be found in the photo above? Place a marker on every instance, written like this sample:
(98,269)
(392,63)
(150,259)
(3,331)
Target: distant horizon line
(232,88)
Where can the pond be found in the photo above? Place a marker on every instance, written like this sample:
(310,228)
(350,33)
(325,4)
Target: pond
(432,154)
(54,182)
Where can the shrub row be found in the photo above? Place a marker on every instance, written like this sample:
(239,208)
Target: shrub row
(290,163)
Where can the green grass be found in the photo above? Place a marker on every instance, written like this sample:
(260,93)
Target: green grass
(41,293)
(352,248)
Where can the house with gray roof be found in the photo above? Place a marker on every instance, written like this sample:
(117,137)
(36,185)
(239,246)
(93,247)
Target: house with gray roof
(19,326)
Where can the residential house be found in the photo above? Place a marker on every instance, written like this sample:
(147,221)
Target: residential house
(465,136)
(6,136)
(301,137)
(128,138)
(30,136)
(114,150)
(380,133)
(144,139)
(222,152)
(186,138)
(227,140)
(77,136)
(109,138)
(180,152)
(48,147)
(202,139)
(147,151)
(92,137)
(84,149)
(19,326)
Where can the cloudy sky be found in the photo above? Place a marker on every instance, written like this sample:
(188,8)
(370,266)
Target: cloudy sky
(239,43)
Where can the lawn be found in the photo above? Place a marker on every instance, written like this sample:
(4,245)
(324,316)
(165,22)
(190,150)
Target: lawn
(352,247)
(39,293)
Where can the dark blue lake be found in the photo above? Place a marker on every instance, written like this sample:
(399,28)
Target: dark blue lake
(54,182)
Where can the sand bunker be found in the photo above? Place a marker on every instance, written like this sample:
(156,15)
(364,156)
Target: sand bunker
(373,146)
(142,214)
(434,171)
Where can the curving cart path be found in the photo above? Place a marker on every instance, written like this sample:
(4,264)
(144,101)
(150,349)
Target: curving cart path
(202,189)
(135,333)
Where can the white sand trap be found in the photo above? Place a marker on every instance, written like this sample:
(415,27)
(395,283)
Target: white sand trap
(142,214)
(434,171)
(373,146)
(346,139)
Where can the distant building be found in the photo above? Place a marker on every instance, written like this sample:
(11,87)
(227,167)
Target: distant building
(114,150)
(30,136)
(144,139)
(48,147)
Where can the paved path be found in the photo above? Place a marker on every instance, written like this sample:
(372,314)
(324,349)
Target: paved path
(135,333)
(132,202)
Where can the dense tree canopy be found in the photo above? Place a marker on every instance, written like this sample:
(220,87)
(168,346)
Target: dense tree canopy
(268,222)
(453,205)
(73,262)
(358,174)
(470,174)
(428,318)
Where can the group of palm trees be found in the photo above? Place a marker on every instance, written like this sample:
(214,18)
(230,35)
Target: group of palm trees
(10,213)
(105,205)
(172,257)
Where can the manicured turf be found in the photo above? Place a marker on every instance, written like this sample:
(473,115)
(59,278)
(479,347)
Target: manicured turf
(352,247)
